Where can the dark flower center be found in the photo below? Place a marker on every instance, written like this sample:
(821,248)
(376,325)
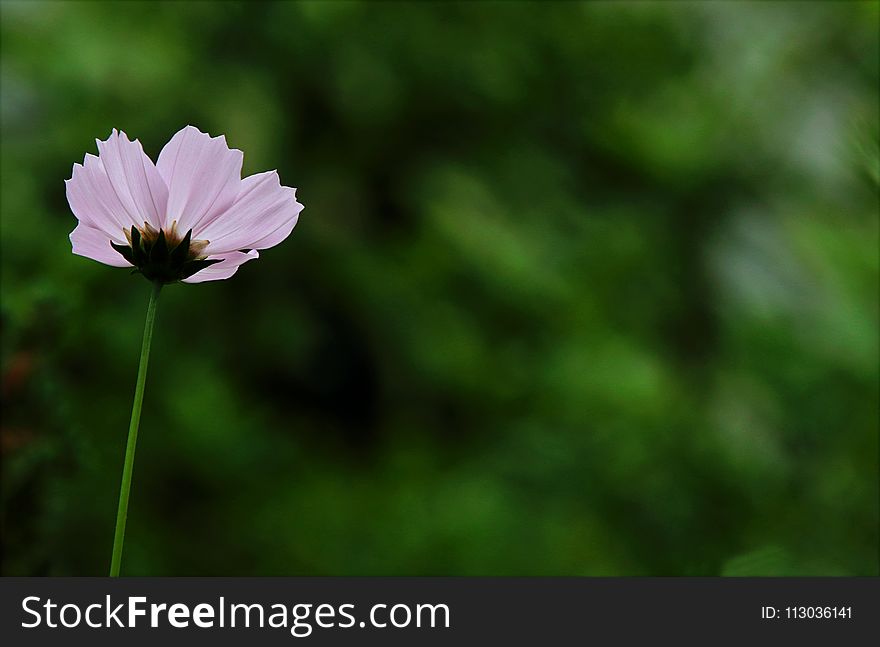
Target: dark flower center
(163,255)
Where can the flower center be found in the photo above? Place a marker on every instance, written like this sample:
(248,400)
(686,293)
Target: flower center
(163,255)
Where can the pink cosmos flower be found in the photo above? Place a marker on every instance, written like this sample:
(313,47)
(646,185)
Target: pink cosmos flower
(190,217)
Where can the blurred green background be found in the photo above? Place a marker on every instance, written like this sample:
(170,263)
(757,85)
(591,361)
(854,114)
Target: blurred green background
(585,289)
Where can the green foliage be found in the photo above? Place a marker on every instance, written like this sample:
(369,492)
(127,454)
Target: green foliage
(578,289)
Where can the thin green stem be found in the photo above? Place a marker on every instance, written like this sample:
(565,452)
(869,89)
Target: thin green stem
(122,511)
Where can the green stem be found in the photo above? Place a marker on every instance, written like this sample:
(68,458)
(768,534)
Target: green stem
(122,511)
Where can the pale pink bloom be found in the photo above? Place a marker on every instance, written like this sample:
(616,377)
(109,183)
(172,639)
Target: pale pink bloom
(189,217)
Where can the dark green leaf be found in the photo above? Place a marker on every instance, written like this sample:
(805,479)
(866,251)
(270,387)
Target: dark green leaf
(181,252)
(159,251)
(139,257)
(192,267)
(125,250)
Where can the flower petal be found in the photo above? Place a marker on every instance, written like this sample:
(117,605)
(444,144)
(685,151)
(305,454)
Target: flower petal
(95,200)
(203,177)
(225,268)
(134,178)
(95,244)
(262,216)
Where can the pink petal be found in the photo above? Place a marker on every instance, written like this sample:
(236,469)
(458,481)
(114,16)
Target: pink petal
(203,177)
(134,179)
(225,268)
(262,216)
(279,234)
(95,244)
(109,203)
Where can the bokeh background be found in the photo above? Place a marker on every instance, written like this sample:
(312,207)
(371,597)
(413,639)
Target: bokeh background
(579,288)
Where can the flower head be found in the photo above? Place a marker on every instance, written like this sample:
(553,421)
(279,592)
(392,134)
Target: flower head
(190,217)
